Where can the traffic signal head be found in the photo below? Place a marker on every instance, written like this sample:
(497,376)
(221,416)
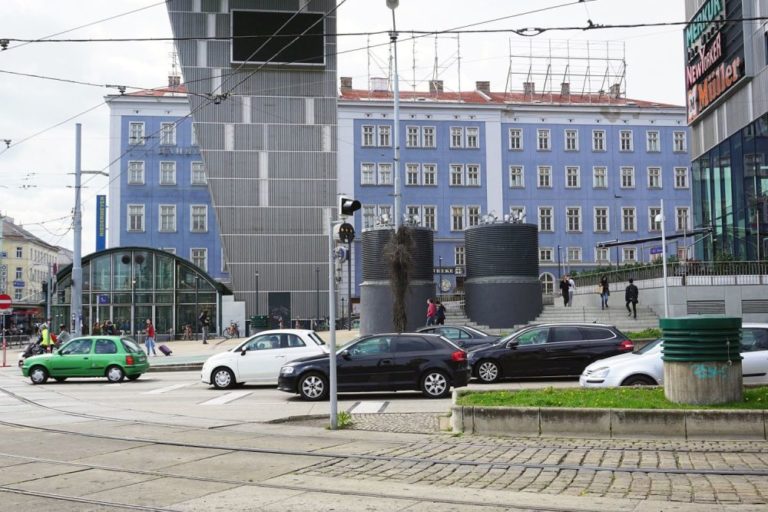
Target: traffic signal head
(348,206)
(345,233)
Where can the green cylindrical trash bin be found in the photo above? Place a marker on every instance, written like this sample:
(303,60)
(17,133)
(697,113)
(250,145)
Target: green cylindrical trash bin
(702,359)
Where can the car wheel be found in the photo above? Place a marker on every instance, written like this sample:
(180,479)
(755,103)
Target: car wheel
(38,375)
(223,378)
(115,374)
(638,380)
(59,379)
(435,384)
(488,371)
(133,377)
(313,386)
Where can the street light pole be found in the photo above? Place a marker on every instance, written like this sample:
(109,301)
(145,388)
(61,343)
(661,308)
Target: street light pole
(197,306)
(317,294)
(392,4)
(256,274)
(77,269)
(660,218)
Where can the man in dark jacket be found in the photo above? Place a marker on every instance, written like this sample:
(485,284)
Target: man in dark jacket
(630,296)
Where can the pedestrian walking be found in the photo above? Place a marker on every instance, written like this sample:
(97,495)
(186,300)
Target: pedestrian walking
(45,334)
(64,335)
(149,341)
(605,292)
(204,323)
(440,313)
(630,296)
(571,291)
(564,289)
(431,312)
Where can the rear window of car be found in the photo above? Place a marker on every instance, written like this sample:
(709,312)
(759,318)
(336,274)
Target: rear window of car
(413,344)
(130,346)
(596,333)
(565,334)
(317,339)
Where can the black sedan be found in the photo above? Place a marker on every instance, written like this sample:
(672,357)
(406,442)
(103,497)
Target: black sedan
(382,362)
(464,336)
(548,350)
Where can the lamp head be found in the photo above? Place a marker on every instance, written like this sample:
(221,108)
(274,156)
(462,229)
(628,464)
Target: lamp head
(392,4)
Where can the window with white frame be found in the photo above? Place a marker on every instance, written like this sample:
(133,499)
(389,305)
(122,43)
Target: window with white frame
(601,219)
(544,173)
(542,140)
(199,257)
(628,219)
(428,136)
(546,222)
(367,174)
(169,250)
(517,213)
(457,137)
(515,139)
(412,136)
(368,136)
(682,221)
(412,174)
(167,218)
(19,273)
(430,217)
(473,175)
(135,217)
(572,177)
(198,218)
(625,140)
(681,177)
(457,218)
(18,293)
(385,139)
(19,252)
(385,210)
(457,175)
(516,176)
(167,173)
(135,133)
(627,177)
(168,134)
(571,140)
(136,172)
(429,174)
(198,174)
(459,255)
(598,140)
(652,142)
(473,137)
(629,254)
(602,255)
(599,177)
(545,254)
(413,212)
(473,215)
(385,174)
(653,224)
(654,177)
(369,216)
(573,254)
(573,219)
(678,142)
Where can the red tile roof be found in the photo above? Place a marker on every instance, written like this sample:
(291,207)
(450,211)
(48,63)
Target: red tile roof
(161,91)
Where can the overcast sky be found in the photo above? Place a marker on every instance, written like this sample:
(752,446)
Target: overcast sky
(38,116)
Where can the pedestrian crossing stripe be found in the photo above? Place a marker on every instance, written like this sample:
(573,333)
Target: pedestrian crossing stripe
(167,388)
(229,397)
(371,407)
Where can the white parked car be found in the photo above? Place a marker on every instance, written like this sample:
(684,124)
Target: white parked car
(645,367)
(259,358)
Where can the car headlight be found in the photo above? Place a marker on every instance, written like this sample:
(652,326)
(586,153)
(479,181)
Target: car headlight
(286,370)
(599,373)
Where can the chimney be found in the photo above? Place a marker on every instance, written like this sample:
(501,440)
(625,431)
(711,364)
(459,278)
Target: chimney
(346,83)
(483,86)
(529,88)
(174,80)
(615,91)
(565,89)
(435,86)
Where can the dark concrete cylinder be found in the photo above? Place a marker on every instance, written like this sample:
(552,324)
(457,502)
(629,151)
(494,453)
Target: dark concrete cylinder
(502,287)
(376,298)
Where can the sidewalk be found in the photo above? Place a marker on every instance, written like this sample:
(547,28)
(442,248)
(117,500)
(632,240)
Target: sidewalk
(189,355)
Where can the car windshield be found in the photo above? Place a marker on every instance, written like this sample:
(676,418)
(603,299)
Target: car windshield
(649,347)
(130,346)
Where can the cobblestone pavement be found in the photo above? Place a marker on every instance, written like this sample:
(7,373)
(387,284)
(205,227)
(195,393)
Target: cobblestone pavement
(664,470)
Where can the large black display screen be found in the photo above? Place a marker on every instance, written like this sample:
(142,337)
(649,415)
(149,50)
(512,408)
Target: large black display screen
(271,37)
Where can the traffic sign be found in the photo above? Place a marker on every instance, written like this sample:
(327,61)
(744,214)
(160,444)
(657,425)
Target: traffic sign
(5,301)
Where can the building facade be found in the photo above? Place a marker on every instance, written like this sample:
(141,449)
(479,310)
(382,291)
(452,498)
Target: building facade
(727,88)
(584,169)
(158,184)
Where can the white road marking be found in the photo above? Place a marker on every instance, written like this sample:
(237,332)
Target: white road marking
(367,407)
(229,397)
(167,389)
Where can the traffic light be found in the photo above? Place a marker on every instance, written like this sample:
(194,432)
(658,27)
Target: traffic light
(346,233)
(348,206)
(45,288)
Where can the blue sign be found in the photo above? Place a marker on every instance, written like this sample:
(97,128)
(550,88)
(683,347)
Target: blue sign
(103,299)
(101,222)
(656,250)
(18,284)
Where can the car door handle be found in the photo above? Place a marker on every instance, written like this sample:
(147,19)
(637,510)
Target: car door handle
(385,362)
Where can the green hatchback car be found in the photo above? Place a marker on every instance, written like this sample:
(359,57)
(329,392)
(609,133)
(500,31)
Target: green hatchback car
(113,357)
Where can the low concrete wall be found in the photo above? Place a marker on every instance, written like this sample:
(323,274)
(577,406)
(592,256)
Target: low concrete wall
(608,423)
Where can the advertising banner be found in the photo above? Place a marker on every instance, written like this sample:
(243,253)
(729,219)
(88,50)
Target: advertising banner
(101,222)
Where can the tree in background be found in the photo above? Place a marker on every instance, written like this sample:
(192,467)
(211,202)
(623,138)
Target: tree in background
(399,255)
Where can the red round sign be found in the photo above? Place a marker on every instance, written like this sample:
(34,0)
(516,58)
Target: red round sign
(5,301)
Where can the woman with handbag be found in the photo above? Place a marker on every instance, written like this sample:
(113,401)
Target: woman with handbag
(604,291)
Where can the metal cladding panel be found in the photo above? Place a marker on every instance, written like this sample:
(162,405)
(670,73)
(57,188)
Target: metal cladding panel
(376,306)
(288,110)
(325,112)
(423,253)
(301,166)
(285,221)
(249,137)
(229,111)
(374,264)
(291,138)
(502,249)
(503,303)
(278,250)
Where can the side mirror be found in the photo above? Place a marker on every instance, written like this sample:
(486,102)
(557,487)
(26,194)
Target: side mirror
(243,351)
(345,354)
(513,344)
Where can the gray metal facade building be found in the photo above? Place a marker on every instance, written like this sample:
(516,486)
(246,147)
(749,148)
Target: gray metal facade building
(267,134)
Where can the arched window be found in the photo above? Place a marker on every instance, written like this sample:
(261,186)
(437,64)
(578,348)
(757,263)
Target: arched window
(547,283)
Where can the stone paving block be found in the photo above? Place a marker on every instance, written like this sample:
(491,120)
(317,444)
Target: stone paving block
(639,422)
(712,424)
(579,422)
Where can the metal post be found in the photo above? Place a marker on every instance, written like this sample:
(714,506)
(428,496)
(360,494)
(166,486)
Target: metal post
(349,285)
(559,267)
(133,304)
(197,306)
(257,291)
(331,326)
(317,292)
(3,334)
(77,269)
(342,312)
(392,4)
(664,260)
(48,294)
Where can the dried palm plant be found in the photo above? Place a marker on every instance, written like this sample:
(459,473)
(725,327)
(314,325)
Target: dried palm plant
(398,253)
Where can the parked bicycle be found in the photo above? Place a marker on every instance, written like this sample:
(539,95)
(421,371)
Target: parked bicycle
(233,331)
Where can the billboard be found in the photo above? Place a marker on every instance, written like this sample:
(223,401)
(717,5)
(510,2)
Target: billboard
(278,38)
(101,222)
